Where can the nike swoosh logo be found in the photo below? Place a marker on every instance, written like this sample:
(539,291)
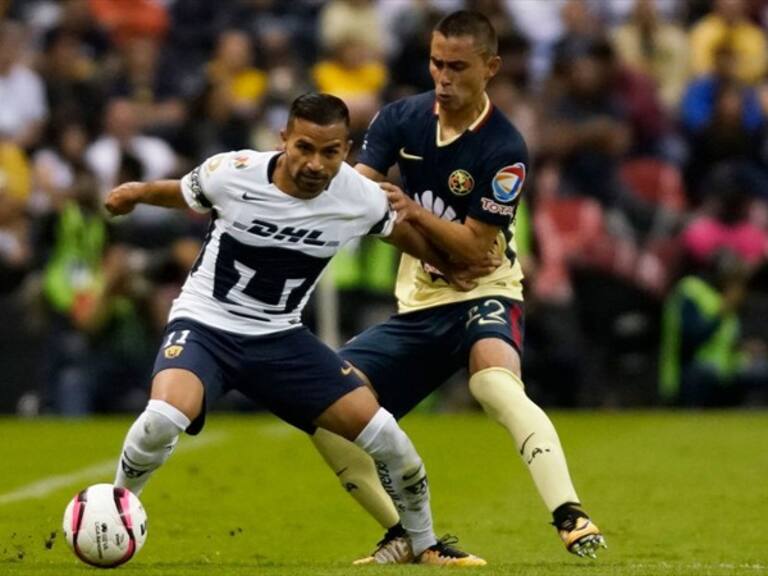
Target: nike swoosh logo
(346,370)
(522,448)
(407,477)
(340,472)
(247,196)
(405,155)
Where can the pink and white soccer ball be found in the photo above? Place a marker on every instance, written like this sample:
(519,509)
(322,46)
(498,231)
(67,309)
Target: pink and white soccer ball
(105,525)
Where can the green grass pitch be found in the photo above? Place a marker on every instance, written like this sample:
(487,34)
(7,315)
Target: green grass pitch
(675,493)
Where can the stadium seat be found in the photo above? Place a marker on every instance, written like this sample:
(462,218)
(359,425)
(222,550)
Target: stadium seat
(660,184)
(656,181)
(569,231)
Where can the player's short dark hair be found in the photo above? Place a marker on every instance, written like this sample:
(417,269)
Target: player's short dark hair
(320,109)
(470,23)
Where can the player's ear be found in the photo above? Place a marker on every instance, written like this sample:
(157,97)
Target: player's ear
(494,65)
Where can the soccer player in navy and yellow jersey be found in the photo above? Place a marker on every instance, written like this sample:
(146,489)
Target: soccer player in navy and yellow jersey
(463,166)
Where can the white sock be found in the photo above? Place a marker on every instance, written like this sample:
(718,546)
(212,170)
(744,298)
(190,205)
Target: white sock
(402,475)
(149,443)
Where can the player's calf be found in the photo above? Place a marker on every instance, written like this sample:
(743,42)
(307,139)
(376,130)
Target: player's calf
(149,443)
(402,476)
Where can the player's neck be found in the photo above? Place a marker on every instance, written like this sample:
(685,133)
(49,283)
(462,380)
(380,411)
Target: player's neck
(281,178)
(452,123)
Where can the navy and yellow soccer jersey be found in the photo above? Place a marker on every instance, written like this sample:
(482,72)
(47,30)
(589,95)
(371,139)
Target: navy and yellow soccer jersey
(479,174)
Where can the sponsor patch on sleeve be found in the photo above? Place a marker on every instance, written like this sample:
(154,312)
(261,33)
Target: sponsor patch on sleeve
(494,208)
(508,182)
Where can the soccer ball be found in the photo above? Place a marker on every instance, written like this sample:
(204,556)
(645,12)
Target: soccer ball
(105,525)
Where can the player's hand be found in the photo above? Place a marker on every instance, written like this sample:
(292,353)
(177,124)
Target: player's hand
(463,276)
(483,267)
(123,199)
(461,282)
(405,207)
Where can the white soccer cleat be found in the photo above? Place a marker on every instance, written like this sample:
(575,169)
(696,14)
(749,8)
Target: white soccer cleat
(394,548)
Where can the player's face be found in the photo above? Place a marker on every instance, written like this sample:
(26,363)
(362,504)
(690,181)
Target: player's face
(314,154)
(460,71)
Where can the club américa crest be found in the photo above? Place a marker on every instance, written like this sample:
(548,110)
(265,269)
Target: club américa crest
(460,182)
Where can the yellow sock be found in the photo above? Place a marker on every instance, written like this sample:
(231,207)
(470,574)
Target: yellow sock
(501,394)
(357,474)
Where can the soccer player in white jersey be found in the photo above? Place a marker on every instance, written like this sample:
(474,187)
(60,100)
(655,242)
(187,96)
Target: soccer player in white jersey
(277,218)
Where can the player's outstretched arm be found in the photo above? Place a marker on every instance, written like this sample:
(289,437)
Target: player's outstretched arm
(409,239)
(468,243)
(124,198)
(369,172)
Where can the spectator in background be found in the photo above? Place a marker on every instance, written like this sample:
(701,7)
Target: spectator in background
(76,18)
(146,80)
(286,79)
(356,75)
(496,11)
(234,94)
(90,292)
(23,109)
(699,102)
(54,166)
(191,38)
(511,90)
(342,20)
(127,20)
(650,45)
(703,361)
(15,251)
(542,25)
(415,30)
(727,221)
(71,78)
(728,23)
(121,153)
(233,75)
(637,94)
(587,131)
(580,29)
(722,118)
(122,135)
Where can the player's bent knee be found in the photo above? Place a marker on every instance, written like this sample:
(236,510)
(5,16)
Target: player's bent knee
(497,390)
(350,414)
(181,389)
(161,425)
(489,353)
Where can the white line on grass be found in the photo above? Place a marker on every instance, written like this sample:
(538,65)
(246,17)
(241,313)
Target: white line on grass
(646,567)
(50,484)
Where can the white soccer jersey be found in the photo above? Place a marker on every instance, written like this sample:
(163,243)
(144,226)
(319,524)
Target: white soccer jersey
(265,250)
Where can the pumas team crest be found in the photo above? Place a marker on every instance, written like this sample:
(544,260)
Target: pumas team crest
(508,182)
(460,182)
(173,351)
(241,161)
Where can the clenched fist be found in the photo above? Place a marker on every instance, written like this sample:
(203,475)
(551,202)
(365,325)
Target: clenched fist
(123,199)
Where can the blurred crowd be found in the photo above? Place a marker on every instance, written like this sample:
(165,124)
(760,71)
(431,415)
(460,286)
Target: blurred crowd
(644,230)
